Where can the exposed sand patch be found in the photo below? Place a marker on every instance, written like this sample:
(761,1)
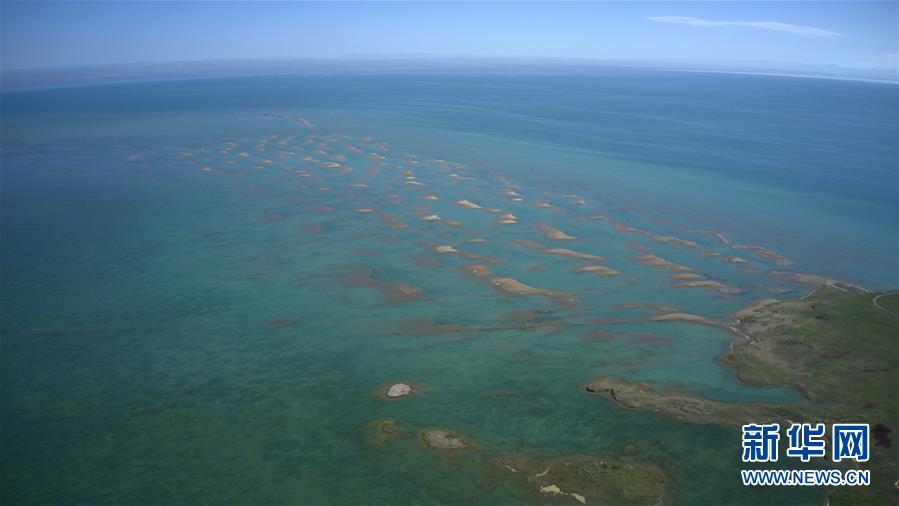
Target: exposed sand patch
(674,240)
(441,439)
(515,287)
(599,270)
(770,255)
(554,233)
(621,227)
(512,286)
(657,261)
(680,317)
(507,219)
(574,254)
(685,275)
(715,285)
(398,390)
(467,204)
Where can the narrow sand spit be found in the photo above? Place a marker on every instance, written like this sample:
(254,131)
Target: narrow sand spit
(574,254)
(673,240)
(680,317)
(657,261)
(715,285)
(467,204)
(685,275)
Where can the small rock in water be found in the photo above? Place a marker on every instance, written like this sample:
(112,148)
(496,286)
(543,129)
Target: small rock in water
(399,390)
(440,439)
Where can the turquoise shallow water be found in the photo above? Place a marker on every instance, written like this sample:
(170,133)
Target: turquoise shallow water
(194,313)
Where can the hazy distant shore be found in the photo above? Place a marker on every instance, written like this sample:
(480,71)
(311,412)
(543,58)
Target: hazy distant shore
(132,71)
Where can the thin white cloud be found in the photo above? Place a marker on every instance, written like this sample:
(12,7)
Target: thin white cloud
(809,31)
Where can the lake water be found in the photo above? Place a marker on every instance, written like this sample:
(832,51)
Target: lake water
(205,282)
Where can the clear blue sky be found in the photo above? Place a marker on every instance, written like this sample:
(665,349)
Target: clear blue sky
(857,34)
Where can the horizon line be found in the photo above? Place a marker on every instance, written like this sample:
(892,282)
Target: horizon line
(68,74)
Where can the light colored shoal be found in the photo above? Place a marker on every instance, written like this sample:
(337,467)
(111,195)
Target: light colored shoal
(657,261)
(599,270)
(515,287)
(467,204)
(685,275)
(554,233)
(574,254)
(721,287)
(679,317)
